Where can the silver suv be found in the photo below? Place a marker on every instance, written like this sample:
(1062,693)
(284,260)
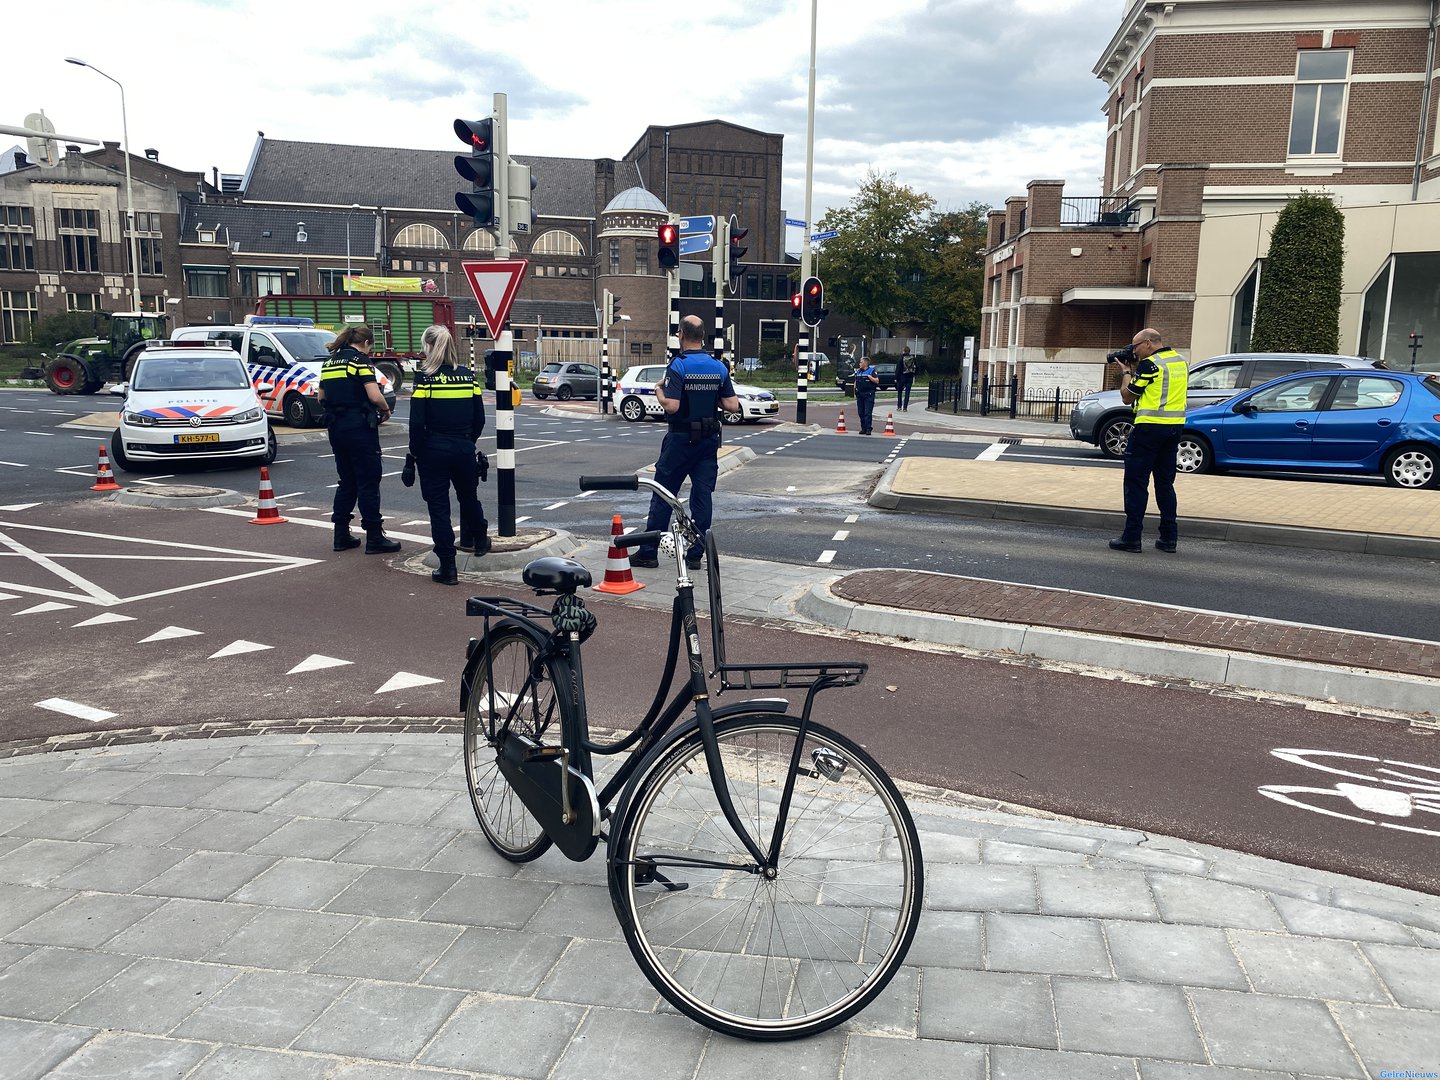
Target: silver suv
(1105,420)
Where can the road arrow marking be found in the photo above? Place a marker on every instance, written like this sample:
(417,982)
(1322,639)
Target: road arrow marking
(171,632)
(236,648)
(404,680)
(316,662)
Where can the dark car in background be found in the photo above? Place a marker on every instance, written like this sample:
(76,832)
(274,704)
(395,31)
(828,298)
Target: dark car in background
(1371,423)
(1104,419)
(885,369)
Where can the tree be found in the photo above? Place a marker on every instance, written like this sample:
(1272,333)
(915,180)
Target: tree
(869,267)
(69,325)
(1299,305)
(947,295)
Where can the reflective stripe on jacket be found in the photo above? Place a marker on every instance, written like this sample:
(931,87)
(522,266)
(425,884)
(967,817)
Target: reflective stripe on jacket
(1161,392)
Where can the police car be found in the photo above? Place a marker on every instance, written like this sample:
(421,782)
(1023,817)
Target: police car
(285,354)
(635,397)
(190,402)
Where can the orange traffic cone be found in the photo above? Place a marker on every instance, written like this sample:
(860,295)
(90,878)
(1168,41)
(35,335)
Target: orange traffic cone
(890,423)
(618,578)
(104,478)
(840,427)
(268,514)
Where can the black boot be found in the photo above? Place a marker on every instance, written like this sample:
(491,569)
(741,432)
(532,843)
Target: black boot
(344,538)
(377,543)
(445,574)
(482,541)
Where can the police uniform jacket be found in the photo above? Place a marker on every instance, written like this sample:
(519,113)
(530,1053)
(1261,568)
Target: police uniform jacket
(343,378)
(1159,385)
(448,404)
(697,381)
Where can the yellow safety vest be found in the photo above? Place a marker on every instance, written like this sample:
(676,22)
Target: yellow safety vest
(1162,393)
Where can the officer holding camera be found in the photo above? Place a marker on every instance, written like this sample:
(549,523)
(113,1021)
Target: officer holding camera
(696,386)
(1154,382)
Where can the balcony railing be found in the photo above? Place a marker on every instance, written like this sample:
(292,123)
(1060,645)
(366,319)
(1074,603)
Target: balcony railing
(1099,213)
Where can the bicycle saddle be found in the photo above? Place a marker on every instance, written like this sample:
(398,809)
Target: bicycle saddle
(555,574)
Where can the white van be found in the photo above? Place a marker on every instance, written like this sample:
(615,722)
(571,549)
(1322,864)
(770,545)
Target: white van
(284,355)
(190,402)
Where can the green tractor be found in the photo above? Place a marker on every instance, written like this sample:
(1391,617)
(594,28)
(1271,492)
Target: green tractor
(84,365)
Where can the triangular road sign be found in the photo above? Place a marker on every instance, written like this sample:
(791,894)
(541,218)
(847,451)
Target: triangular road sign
(495,283)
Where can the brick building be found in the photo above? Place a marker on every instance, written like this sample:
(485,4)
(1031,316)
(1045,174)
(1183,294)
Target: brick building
(1218,111)
(304,215)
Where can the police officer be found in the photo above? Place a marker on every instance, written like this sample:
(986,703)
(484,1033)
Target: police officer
(1155,382)
(354,410)
(695,388)
(447,415)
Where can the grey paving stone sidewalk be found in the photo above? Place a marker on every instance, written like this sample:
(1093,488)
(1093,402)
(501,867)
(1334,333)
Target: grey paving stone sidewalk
(297,907)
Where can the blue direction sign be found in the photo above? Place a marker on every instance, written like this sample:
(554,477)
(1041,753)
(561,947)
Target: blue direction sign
(793,221)
(689,225)
(825,235)
(691,245)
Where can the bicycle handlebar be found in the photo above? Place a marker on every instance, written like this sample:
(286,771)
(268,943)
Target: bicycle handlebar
(637,539)
(629,482)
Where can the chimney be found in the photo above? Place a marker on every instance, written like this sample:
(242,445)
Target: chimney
(151,154)
(21,159)
(112,145)
(71,148)
(215,172)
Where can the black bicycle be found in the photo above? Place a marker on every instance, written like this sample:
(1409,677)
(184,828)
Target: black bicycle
(765,869)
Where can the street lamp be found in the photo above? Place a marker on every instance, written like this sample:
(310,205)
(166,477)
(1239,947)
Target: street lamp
(129,191)
(300,237)
(348,272)
(624,335)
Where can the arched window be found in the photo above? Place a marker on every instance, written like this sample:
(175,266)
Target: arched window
(421,236)
(479,240)
(557,242)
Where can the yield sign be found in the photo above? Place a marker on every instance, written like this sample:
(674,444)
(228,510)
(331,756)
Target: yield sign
(495,284)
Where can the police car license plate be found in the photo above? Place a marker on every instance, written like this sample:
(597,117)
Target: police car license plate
(198,437)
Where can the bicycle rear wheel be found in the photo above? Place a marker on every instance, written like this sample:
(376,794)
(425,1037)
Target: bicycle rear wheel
(503,687)
(743,954)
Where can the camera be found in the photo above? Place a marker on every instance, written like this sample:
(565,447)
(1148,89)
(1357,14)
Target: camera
(1121,356)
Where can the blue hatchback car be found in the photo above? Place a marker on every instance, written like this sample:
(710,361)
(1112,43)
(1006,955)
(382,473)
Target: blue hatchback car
(1376,423)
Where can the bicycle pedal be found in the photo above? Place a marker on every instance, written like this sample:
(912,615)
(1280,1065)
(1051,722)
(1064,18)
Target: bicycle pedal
(545,753)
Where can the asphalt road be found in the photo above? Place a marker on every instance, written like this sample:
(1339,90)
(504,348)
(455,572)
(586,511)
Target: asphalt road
(165,618)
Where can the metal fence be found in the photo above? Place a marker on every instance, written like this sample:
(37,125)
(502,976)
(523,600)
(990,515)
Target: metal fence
(1003,396)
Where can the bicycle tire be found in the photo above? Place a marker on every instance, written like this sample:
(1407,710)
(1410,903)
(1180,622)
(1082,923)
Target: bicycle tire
(544,716)
(768,959)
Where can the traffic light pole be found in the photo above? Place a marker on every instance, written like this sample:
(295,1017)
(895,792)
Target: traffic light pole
(504,356)
(720,270)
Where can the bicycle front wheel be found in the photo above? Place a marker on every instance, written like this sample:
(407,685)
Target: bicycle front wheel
(511,686)
(743,953)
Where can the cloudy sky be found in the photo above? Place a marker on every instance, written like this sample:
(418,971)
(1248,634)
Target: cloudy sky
(964,99)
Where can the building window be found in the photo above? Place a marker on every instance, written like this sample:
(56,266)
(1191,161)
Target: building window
(148,248)
(206,281)
(642,256)
(1017,283)
(1403,300)
(79,240)
(421,236)
(79,301)
(557,242)
(1242,319)
(1317,118)
(479,240)
(772,329)
(17,315)
(263,281)
(332,282)
(17,238)
(614,256)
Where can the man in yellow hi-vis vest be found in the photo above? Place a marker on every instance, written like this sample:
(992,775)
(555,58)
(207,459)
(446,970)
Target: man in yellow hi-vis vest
(1155,381)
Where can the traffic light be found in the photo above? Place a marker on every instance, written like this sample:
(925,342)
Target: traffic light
(481,168)
(669,251)
(735,269)
(612,307)
(521,184)
(812,302)
(795,306)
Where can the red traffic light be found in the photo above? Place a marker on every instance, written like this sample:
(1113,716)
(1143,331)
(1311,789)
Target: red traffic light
(669,248)
(795,306)
(812,306)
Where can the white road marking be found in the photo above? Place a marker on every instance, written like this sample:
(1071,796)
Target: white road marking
(993,451)
(19,506)
(39,433)
(75,709)
(48,606)
(313,524)
(317,662)
(842,534)
(8,596)
(555,506)
(851,519)
(826,556)
(106,617)
(405,680)
(236,648)
(171,632)
(15,465)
